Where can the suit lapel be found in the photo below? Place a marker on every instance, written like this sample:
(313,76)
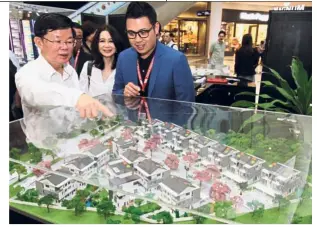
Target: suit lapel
(156,66)
(133,73)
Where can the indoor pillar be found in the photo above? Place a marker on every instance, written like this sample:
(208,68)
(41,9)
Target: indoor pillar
(215,20)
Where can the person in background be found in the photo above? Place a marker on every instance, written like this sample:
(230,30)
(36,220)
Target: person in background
(159,35)
(97,77)
(261,49)
(89,30)
(168,39)
(49,80)
(217,50)
(246,61)
(79,55)
(150,68)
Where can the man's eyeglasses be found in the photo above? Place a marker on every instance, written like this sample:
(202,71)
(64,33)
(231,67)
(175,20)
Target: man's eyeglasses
(143,33)
(59,43)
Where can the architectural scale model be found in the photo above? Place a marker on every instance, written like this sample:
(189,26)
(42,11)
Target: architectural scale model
(167,163)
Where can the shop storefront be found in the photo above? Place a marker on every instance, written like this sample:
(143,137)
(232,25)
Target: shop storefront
(190,35)
(236,23)
(190,30)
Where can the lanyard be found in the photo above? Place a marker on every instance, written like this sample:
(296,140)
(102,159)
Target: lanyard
(144,103)
(76,59)
(146,79)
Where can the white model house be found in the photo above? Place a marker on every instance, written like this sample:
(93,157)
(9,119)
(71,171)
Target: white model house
(246,167)
(83,166)
(220,154)
(179,192)
(119,168)
(100,154)
(278,179)
(120,145)
(152,173)
(59,186)
(132,156)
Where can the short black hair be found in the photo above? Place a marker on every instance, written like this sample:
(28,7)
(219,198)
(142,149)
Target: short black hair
(76,25)
(97,56)
(222,32)
(50,22)
(171,34)
(141,9)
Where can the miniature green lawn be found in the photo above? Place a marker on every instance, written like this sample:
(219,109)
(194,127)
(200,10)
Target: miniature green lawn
(273,216)
(68,216)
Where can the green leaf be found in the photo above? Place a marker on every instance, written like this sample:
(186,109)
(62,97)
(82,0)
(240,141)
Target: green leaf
(295,106)
(252,119)
(285,89)
(299,73)
(265,96)
(243,104)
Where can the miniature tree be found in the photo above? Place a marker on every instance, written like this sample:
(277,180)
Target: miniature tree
(199,219)
(231,214)
(106,208)
(202,176)
(177,213)
(138,202)
(110,195)
(127,133)
(20,169)
(282,202)
(218,191)
(11,166)
(50,153)
(94,132)
(136,218)
(47,200)
(15,153)
(222,208)
(166,217)
(190,157)
(243,186)
(236,201)
(214,171)
(185,215)
(83,194)
(150,145)
(43,164)
(78,205)
(172,161)
(255,204)
(258,213)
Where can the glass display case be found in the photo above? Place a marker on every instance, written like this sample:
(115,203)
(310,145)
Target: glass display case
(160,161)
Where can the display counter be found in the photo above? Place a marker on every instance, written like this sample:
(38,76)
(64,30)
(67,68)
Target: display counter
(167,162)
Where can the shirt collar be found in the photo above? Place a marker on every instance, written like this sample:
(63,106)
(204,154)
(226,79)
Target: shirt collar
(149,57)
(46,67)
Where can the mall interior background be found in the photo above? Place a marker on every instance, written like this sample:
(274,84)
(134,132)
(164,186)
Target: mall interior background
(194,24)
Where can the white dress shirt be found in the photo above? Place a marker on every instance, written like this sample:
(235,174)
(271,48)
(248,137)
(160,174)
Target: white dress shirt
(171,43)
(39,84)
(98,86)
(41,88)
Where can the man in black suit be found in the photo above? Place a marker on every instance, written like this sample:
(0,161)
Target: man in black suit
(79,55)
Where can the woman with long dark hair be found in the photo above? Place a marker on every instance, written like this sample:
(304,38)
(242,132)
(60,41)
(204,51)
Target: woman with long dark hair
(246,60)
(89,31)
(97,77)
